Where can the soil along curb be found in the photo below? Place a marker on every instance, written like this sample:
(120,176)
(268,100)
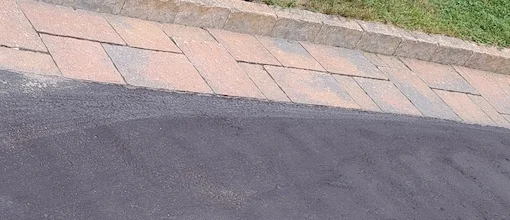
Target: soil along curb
(300,25)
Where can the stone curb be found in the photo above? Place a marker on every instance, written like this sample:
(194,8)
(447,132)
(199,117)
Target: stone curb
(300,25)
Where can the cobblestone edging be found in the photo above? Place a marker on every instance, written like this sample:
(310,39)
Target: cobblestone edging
(300,25)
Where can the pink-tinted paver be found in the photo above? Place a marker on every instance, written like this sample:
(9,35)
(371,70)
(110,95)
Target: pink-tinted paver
(357,93)
(490,111)
(387,96)
(244,47)
(465,108)
(80,59)
(264,82)
(439,76)
(15,30)
(219,69)
(310,87)
(487,86)
(156,69)
(290,54)
(65,21)
(27,61)
(419,93)
(186,32)
(344,61)
(385,61)
(142,34)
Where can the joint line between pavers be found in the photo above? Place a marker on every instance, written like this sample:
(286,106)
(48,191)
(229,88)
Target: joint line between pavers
(107,21)
(114,65)
(221,45)
(25,49)
(355,81)
(313,56)
(409,68)
(198,71)
(338,83)
(408,99)
(269,77)
(319,71)
(462,120)
(464,78)
(487,114)
(79,38)
(449,90)
(256,38)
(264,67)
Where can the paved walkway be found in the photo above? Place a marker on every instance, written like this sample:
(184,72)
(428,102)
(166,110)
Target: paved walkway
(52,40)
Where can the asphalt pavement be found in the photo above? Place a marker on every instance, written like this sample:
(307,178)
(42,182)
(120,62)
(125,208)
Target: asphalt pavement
(77,150)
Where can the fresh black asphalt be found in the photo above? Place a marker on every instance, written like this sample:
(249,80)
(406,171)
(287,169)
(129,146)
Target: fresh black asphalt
(76,150)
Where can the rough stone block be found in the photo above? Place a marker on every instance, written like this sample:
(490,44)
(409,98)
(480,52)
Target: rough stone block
(339,32)
(451,51)
(504,68)
(164,11)
(138,8)
(57,2)
(379,38)
(416,45)
(297,24)
(201,13)
(106,6)
(484,58)
(250,18)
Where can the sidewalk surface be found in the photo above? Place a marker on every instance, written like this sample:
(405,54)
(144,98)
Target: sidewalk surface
(45,39)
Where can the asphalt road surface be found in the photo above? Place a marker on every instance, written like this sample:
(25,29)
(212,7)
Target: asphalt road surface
(75,150)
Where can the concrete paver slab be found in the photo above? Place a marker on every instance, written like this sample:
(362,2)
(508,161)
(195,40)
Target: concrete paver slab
(80,59)
(387,96)
(357,93)
(465,108)
(186,32)
(264,82)
(219,69)
(290,53)
(16,30)
(310,87)
(344,61)
(27,61)
(244,47)
(487,86)
(156,69)
(490,111)
(65,21)
(419,93)
(440,76)
(142,34)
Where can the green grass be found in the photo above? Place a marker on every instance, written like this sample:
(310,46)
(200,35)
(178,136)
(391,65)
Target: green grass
(482,21)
